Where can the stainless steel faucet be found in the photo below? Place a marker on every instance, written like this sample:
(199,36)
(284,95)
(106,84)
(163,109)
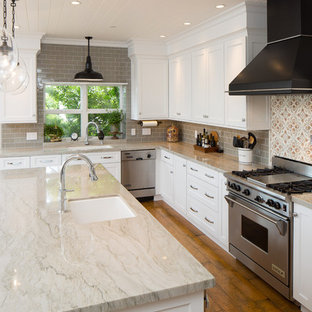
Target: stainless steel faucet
(63,189)
(87,127)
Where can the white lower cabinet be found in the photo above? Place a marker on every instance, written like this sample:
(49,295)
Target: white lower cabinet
(45,161)
(197,193)
(188,303)
(302,268)
(179,184)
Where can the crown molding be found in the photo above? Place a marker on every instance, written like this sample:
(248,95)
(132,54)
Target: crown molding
(83,42)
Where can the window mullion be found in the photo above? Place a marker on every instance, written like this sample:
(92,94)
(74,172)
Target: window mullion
(84,109)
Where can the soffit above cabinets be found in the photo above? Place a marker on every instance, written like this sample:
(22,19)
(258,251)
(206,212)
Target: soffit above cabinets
(117,20)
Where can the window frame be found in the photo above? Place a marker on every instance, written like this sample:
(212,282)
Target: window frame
(84,111)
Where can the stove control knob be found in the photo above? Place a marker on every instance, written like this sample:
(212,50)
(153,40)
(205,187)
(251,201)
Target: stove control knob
(277,205)
(233,186)
(149,155)
(246,192)
(270,202)
(237,188)
(259,199)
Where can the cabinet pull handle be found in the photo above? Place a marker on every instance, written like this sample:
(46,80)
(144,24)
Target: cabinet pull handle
(194,188)
(209,221)
(14,164)
(209,196)
(209,176)
(46,161)
(205,116)
(243,119)
(167,157)
(184,165)
(194,169)
(107,157)
(178,114)
(193,210)
(171,171)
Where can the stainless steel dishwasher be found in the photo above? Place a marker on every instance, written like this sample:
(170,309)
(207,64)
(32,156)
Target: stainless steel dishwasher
(138,172)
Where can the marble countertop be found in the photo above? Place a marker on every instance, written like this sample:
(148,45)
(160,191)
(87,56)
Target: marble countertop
(51,263)
(304,199)
(217,161)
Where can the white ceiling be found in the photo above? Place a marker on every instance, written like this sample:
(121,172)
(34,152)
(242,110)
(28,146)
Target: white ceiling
(140,19)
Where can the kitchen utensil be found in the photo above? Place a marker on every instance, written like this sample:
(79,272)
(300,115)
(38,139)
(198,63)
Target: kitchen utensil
(251,140)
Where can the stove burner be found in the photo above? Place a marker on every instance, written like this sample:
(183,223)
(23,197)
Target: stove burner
(260,172)
(296,187)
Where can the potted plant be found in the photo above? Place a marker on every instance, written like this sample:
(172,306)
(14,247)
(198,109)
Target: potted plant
(114,120)
(53,133)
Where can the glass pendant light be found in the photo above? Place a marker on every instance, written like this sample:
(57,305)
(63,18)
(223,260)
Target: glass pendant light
(8,50)
(18,78)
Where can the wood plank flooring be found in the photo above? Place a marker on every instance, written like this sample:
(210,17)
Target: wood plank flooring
(237,288)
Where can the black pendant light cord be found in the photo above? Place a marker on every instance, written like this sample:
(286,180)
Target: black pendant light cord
(4,14)
(13,5)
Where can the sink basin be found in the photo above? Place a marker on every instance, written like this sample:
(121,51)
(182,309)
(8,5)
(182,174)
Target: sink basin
(99,209)
(89,147)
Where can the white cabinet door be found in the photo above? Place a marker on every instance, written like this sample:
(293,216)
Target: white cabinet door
(215,85)
(234,62)
(199,86)
(303,255)
(180,87)
(114,170)
(224,213)
(166,182)
(21,108)
(179,185)
(149,88)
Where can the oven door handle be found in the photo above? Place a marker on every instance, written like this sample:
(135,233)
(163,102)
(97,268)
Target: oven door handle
(280,224)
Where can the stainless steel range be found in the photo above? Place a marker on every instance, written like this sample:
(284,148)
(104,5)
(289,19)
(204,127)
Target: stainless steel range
(260,218)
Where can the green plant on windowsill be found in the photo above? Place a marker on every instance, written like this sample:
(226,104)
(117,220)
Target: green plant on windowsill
(53,133)
(114,119)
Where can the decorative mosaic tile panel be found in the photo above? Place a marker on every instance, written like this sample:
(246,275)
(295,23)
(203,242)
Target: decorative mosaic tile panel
(291,127)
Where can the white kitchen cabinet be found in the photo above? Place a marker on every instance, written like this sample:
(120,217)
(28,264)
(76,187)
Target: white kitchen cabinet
(166,181)
(179,184)
(208,85)
(302,270)
(224,213)
(180,87)
(242,112)
(14,163)
(45,161)
(22,108)
(149,89)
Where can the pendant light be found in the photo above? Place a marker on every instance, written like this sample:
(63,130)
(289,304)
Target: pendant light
(18,79)
(8,50)
(88,74)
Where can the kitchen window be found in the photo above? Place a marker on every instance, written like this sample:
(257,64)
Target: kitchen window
(72,106)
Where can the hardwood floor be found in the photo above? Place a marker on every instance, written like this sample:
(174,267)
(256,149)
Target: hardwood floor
(237,288)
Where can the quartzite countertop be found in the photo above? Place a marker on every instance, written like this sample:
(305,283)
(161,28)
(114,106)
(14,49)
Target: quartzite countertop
(217,161)
(50,263)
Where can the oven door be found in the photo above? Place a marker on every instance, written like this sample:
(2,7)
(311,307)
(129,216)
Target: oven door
(260,235)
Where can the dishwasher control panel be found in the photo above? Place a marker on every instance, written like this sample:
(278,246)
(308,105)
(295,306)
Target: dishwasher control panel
(147,154)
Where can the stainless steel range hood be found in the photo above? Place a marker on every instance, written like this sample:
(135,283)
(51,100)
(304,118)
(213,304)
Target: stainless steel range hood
(284,66)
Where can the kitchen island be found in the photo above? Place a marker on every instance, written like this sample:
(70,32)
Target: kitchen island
(51,263)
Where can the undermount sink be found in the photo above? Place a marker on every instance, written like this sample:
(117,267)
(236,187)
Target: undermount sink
(88,147)
(99,209)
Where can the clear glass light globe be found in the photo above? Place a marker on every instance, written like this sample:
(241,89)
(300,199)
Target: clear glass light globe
(8,54)
(18,80)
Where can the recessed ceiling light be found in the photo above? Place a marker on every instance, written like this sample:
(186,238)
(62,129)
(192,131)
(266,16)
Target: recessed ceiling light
(76,2)
(162,36)
(187,23)
(220,6)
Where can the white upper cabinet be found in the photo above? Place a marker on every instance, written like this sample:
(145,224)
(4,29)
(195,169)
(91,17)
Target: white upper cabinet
(180,87)
(242,112)
(149,90)
(22,108)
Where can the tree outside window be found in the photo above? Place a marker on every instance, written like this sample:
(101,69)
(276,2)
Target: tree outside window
(71,107)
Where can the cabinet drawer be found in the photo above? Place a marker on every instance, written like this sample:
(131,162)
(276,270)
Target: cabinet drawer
(204,217)
(166,157)
(45,161)
(97,158)
(205,192)
(14,163)
(205,174)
